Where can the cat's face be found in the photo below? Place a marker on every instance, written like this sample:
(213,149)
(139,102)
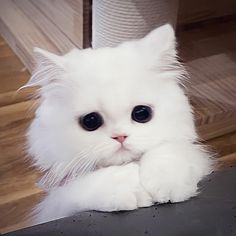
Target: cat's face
(108,106)
(113,100)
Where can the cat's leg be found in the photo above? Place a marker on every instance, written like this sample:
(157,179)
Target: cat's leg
(115,188)
(171,172)
(109,189)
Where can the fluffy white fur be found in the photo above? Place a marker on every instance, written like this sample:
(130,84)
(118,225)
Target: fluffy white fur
(86,170)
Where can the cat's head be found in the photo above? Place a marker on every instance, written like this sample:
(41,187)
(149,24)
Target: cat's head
(108,106)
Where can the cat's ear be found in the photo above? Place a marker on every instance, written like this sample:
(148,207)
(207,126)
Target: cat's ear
(48,69)
(159,48)
(160,41)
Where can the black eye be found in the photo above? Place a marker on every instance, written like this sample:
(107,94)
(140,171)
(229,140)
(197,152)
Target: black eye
(142,114)
(91,121)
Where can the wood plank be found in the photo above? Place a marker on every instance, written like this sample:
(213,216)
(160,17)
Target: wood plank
(209,53)
(13,97)
(64,14)
(218,128)
(191,11)
(87,23)
(12,79)
(223,145)
(13,73)
(20,32)
(27,24)
(227,161)
(17,213)
(207,40)
(16,112)
(22,185)
(5,50)
(51,32)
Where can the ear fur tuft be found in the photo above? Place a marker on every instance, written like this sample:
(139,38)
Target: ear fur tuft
(49,67)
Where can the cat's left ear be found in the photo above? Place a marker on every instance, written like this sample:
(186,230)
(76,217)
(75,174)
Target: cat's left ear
(48,69)
(159,42)
(159,50)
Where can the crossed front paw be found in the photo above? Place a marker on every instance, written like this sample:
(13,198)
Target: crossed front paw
(168,190)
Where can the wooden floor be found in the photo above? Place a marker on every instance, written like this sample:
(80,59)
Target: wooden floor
(17,192)
(57,26)
(209,52)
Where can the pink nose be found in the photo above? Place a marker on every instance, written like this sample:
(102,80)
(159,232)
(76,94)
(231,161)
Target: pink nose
(120,138)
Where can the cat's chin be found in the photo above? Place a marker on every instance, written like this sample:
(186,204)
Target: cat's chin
(120,157)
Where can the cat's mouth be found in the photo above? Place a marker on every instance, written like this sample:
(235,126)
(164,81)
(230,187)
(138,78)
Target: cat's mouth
(120,155)
(126,154)
(122,148)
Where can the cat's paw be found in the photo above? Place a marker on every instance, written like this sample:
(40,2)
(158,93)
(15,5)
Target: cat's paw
(117,188)
(126,200)
(123,201)
(168,191)
(168,178)
(144,199)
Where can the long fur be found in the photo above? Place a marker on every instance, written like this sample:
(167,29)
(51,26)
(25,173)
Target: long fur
(85,170)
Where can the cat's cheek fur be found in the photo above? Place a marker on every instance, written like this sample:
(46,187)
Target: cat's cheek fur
(171,172)
(110,189)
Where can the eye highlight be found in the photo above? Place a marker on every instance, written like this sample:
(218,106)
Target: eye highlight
(91,121)
(142,114)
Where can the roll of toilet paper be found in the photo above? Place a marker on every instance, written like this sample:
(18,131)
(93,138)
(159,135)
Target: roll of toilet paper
(115,21)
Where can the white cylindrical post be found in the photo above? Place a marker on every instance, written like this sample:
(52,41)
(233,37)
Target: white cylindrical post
(115,21)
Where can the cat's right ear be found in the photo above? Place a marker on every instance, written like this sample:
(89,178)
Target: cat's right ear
(48,69)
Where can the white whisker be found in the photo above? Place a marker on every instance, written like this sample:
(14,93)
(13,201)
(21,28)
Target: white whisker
(83,162)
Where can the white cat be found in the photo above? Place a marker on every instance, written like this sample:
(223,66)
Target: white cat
(115,130)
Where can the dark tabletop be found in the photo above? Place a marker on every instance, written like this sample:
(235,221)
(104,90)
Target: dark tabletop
(212,212)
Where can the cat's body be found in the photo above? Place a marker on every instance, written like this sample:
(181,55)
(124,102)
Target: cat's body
(124,163)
